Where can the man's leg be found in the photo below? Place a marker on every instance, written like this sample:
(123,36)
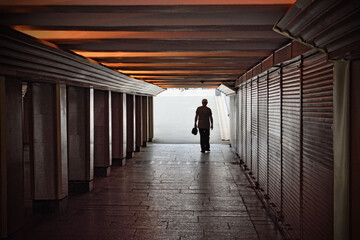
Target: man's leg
(207,139)
(202,139)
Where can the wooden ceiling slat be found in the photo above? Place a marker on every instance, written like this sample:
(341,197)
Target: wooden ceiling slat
(180,60)
(125,3)
(188,28)
(195,54)
(138,19)
(167,45)
(184,63)
(51,35)
(192,76)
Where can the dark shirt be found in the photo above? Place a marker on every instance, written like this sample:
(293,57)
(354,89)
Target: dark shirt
(204,116)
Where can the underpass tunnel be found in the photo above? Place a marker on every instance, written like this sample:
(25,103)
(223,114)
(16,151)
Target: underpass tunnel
(98,99)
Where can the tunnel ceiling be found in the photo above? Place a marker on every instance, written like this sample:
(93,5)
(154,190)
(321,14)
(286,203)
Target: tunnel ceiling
(179,43)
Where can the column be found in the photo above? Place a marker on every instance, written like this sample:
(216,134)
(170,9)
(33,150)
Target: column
(118,114)
(130,126)
(145,122)
(49,146)
(102,133)
(11,158)
(138,123)
(151,118)
(80,121)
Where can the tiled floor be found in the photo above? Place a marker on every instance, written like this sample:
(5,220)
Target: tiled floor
(167,191)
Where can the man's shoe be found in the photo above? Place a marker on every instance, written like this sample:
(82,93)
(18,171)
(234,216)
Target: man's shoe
(202,151)
(207,150)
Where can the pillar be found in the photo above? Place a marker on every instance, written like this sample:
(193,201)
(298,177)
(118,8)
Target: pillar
(145,121)
(49,146)
(138,123)
(118,107)
(151,118)
(80,120)
(102,133)
(130,126)
(11,161)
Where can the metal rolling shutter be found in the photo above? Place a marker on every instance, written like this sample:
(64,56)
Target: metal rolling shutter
(254,129)
(274,118)
(263,134)
(234,133)
(317,148)
(291,137)
(248,126)
(238,122)
(243,120)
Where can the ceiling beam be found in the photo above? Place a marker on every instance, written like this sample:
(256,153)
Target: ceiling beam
(146,2)
(174,54)
(144,16)
(51,35)
(151,45)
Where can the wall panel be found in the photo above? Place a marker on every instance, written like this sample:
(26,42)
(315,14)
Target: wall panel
(248,159)
(263,133)
(233,121)
(254,129)
(243,122)
(274,117)
(317,148)
(291,162)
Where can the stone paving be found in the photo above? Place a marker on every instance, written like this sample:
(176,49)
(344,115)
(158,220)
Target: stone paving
(168,191)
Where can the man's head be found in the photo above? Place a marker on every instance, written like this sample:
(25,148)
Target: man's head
(204,102)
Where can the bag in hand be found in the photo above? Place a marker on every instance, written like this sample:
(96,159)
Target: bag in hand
(194,131)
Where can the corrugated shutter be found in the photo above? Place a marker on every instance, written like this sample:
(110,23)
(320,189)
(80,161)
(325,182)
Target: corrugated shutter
(317,148)
(291,137)
(243,116)
(248,126)
(274,132)
(263,134)
(238,122)
(234,122)
(254,129)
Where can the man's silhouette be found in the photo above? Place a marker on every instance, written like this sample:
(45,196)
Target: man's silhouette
(204,116)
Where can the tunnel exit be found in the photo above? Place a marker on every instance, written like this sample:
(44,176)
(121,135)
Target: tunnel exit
(174,113)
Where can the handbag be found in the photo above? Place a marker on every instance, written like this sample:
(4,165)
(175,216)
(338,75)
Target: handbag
(194,131)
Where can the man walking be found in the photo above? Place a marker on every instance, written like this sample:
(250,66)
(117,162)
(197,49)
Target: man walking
(204,116)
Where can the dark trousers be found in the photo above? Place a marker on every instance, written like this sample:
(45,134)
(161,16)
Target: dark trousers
(204,138)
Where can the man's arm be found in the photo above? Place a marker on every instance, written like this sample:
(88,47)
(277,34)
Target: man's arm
(196,118)
(211,122)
